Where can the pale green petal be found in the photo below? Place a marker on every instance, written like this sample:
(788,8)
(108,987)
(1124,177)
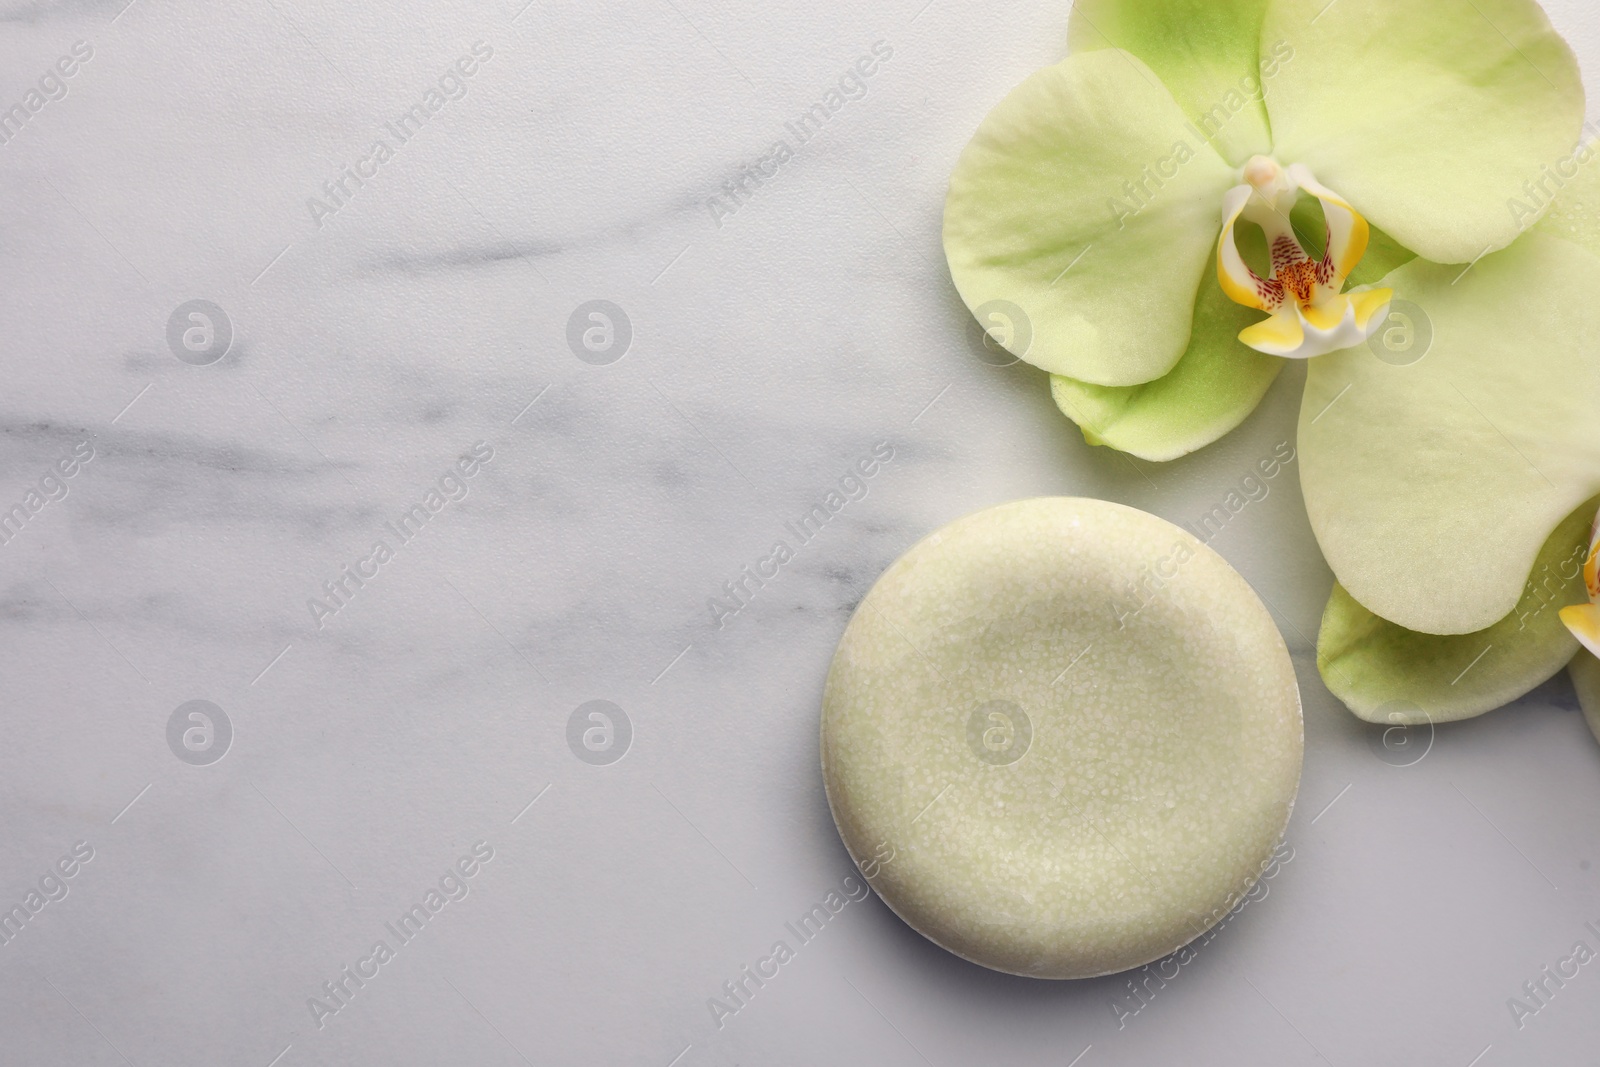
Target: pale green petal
(1214,388)
(1585,671)
(1386,674)
(1432,486)
(1219,381)
(1428,115)
(1204,51)
(1045,213)
(1575,216)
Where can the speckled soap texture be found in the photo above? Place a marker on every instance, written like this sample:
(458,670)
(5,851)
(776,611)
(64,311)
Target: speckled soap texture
(1061,737)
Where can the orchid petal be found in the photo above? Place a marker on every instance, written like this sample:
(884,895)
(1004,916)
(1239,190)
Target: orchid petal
(1575,216)
(1213,389)
(1204,51)
(1430,116)
(1085,201)
(1387,674)
(1432,486)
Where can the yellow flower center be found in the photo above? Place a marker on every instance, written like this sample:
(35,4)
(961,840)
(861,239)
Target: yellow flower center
(1310,314)
(1298,276)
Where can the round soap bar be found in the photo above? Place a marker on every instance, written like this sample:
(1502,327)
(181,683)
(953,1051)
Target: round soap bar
(1061,738)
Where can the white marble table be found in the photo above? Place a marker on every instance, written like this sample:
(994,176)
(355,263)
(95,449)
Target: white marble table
(778,337)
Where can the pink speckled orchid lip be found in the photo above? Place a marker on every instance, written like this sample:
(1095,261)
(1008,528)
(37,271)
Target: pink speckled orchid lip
(1311,315)
(1584,619)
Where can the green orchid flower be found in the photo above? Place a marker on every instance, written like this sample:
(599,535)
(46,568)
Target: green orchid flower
(1205,188)
(1102,199)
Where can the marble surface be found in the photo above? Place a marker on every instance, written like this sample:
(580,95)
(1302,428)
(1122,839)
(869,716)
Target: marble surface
(369,748)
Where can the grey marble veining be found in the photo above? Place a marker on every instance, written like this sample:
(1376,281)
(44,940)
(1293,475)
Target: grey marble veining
(772,348)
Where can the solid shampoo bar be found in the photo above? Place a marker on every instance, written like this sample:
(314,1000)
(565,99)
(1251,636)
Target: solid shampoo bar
(1061,737)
